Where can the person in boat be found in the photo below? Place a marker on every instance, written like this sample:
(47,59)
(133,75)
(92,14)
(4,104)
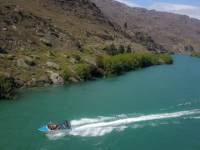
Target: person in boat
(65,125)
(53,126)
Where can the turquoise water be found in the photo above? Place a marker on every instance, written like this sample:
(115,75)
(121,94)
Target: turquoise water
(154,108)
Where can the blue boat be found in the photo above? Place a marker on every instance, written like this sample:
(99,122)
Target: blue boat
(55,127)
(44,129)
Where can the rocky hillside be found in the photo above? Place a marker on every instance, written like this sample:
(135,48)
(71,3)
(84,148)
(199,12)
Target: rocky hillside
(53,24)
(177,33)
(44,42)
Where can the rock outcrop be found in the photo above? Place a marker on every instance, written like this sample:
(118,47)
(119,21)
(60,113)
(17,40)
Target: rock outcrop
(56,78)
(53,65)
(22,64)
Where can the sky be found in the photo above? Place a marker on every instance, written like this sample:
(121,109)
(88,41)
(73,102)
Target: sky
(184,7)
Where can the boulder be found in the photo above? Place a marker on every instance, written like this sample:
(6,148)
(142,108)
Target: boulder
(73,80)
(46,41)
(73,61)
(21,63)
(10,57)
(90,62)
(19,83)
(4,29)
(29,61)
(53,65)
(42,81)
(44,78)
(56,78)
(14,27)
(2,56)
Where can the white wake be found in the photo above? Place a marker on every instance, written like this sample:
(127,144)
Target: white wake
(100,126)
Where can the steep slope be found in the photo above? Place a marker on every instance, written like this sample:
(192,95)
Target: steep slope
(56,24)
(177,33)
(45,42)
(42,37)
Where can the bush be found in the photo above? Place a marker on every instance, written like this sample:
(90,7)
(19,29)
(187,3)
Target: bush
(99,61)
(76,57)
(195,54)
(124,62)
(66,74)
(129,49)
(84,71)
(7,87)
(111,50)
(165,59)
(121,49)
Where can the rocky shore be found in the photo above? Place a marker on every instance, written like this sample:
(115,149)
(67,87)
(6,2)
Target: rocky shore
(51,68)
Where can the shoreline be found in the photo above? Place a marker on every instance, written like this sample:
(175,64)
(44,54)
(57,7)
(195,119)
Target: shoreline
(105,66)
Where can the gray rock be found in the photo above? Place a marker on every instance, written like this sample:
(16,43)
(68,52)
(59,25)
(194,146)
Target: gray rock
(46,41)
(4,29)
(19,82)
(31,83)
(10,57)
(26,62)
(90,62)
(73,80)
(53,65)
(42,81)
(2,56)
(35,57)
(73,61)
(29,61)
(56,78)
(14,27)
(21,63)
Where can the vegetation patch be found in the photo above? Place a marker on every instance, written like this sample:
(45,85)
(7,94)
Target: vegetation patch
(84,71)
(125,62)
(7,87)
(195,54)
(114,50)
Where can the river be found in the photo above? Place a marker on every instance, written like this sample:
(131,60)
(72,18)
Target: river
(153,108)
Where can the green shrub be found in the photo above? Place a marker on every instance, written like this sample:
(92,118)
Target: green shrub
(84,71)
(195,54)
(129,49)
(124,62)
(111,50)
(66,74)
(99,61)
(76,57)
(121,49)
(7,87)
(165,59)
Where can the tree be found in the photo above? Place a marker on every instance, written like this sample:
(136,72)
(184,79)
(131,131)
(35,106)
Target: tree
(121,49)
(111,50)
(7,87)
(129,49)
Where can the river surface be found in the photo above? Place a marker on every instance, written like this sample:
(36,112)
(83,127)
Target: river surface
(150,109)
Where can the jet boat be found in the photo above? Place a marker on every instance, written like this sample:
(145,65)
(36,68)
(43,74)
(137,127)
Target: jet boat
(51,127)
